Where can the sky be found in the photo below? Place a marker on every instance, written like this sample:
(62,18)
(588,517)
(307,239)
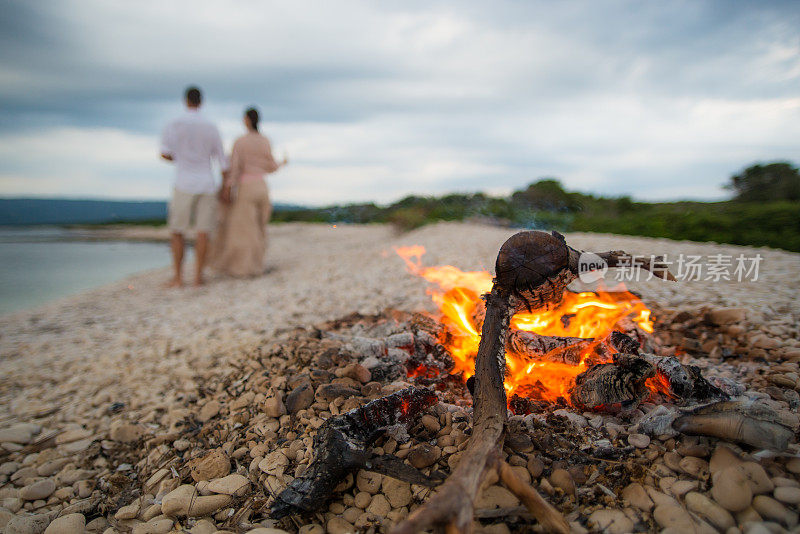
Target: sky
(373,101)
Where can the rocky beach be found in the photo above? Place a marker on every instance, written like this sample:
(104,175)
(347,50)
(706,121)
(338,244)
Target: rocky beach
(133,408)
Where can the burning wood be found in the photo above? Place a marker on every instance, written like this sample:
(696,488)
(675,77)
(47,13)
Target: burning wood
(533,270)
(342,445)
(534,347)
(542,321)
(607,384)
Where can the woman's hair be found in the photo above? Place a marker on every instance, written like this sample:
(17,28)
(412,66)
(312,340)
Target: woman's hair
(252,114)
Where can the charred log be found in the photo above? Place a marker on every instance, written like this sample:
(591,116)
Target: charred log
(686,382)
(607,384)
(622,343)
(342,445)
(535,347)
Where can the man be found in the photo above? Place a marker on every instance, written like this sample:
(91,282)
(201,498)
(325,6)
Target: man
(191,142)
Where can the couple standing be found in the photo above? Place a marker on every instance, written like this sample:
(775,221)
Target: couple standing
(191,142)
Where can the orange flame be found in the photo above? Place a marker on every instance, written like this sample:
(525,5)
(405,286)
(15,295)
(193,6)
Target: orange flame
(586,315)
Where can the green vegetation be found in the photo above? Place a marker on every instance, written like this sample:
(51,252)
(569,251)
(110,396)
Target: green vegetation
(765,211)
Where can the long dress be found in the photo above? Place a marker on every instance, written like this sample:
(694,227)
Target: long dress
(241,240)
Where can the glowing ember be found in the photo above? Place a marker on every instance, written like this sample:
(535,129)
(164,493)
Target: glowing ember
(585,315)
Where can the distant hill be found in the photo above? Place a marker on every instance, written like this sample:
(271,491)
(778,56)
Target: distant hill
(59,211)
(36,211)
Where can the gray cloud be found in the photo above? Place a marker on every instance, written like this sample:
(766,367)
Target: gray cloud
(659,99)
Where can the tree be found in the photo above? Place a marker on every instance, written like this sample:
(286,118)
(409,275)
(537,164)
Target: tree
(774,181)
(546,194)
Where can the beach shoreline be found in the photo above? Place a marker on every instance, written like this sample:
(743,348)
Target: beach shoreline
(134,344)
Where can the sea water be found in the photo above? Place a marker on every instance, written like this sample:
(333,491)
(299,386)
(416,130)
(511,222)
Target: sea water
(40,264)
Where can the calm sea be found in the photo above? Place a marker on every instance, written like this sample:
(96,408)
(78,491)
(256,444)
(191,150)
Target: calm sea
(38,265)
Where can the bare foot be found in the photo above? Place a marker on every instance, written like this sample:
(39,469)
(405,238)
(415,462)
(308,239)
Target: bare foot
(175,282)
(199,281)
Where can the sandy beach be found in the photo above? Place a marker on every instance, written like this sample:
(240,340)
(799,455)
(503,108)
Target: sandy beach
(148,348)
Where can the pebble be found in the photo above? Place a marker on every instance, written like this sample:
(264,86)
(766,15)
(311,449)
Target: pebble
(274,407)
(337,525)
(793,466)
(731,489)
(127,433)
(214,464)
(635,495)
(757,478)
(611,521)
(379,506)
(128,512)
(21,433)
(299,398)
(362,499)
(397,492)
(73,434)
(52,467)
(67,524)
(519,442)
(274,464)
(769,508)
(673,516)
(682,487)
(154,526)
(235,484)
(535,467)
(496,497)
(709,510)
(727,316)
(723,457)
(424,455)
(640,441)
(560,478)
(357,372)
(209,411)
(41,489)
(5,516)
(695,467)
(27,524)
(204,526)
(184,501)
(430,423)
(368,481)
(787,494)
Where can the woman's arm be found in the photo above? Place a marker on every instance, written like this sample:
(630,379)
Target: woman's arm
(236,165)
(271,164)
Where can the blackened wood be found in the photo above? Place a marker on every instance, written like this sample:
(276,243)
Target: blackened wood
(607,384)
(342,445)
(537,348)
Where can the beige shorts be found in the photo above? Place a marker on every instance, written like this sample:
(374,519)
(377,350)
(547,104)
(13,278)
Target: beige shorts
(189,211)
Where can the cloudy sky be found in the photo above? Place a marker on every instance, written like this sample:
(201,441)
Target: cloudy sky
(377,100)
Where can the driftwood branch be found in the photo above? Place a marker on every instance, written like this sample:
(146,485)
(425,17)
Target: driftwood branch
(524,262)
(550,518)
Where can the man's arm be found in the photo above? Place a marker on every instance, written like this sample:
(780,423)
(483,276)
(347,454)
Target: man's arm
(167,145)
(219,153)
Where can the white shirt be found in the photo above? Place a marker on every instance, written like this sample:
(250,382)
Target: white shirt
(193,142)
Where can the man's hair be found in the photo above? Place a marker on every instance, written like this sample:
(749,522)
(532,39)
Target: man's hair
(193,96)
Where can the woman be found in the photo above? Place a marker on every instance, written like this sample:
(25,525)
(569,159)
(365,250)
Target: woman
(242,236)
